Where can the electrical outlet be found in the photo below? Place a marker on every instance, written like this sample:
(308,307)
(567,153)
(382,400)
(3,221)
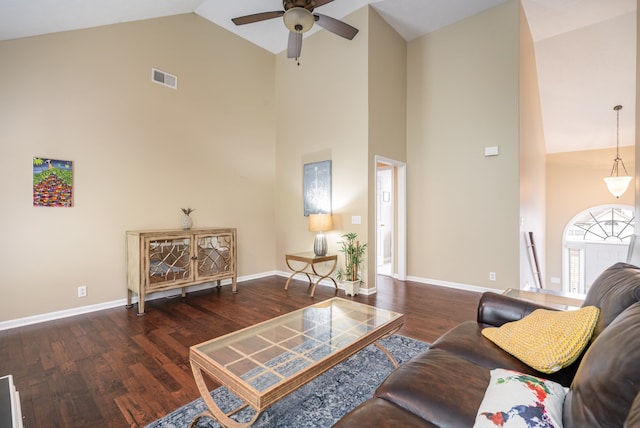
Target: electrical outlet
(82,291)
(492,276)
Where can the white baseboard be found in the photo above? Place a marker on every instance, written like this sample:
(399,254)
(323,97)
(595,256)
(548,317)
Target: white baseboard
(373,290)
(21,322)
(466,287)
(329,283)
(35,319)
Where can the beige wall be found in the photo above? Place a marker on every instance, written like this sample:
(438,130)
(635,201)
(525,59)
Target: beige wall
(346,104)
(387,111)
(532,162)
(232,142)
(141,151)
(323,115)
(574,183)
(462,97)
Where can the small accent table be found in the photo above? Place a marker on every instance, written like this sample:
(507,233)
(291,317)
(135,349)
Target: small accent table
(310,260)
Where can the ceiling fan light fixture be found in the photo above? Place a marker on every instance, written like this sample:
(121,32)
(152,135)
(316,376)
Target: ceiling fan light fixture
(298,19)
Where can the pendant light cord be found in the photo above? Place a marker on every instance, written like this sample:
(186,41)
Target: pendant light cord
(618,159)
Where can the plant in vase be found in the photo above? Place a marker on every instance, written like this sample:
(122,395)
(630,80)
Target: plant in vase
(187,221)
(353,259)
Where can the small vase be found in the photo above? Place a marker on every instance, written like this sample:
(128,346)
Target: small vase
(187,222)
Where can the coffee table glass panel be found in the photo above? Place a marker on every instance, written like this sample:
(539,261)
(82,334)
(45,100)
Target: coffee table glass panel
(263,363)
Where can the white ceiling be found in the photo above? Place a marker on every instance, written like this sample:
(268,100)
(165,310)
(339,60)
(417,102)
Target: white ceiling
(585,49)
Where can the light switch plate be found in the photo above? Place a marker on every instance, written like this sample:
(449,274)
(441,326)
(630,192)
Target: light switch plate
(356,219)
(492,151)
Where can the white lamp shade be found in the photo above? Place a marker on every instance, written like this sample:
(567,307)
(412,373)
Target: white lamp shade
(618,185)
(298,19)
(320,222)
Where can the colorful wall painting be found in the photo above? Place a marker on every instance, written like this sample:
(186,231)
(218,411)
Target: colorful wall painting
(52,183)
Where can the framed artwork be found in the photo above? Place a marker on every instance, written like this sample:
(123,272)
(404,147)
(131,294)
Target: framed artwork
(52,183)
(317,188)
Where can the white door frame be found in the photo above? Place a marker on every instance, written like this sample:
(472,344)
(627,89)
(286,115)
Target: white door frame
(384,170)
(400,234)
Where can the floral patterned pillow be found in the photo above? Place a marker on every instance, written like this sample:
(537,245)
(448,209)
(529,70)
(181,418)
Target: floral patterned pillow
(515,399)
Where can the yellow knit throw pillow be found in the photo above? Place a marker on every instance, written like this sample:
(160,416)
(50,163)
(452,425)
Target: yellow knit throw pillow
(546,340)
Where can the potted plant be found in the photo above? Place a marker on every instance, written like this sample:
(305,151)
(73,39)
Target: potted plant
(353,259)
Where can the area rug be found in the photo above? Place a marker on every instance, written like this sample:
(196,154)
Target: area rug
(321,402)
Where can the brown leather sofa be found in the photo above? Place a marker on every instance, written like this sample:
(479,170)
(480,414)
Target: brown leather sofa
(443,386)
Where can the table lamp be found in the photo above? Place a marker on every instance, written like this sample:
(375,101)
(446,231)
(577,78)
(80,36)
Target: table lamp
(320,223)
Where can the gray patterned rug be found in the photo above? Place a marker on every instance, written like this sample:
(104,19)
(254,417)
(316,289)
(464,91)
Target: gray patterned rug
(321,402)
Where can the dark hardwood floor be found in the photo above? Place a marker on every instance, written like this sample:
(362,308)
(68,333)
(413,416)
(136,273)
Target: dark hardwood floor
(114,369)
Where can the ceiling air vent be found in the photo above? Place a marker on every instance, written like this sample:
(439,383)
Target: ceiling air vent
(164,78)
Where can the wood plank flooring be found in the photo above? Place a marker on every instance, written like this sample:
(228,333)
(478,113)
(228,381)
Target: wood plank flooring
(114,369)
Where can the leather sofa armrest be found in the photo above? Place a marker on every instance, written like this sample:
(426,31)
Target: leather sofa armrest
(497,309)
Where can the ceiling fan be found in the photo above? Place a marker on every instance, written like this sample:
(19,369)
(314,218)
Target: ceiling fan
(298,17)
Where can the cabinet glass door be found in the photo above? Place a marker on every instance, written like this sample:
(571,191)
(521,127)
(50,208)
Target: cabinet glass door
(169,260)
(214,255)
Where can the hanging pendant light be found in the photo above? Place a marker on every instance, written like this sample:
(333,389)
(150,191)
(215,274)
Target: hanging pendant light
(617,184)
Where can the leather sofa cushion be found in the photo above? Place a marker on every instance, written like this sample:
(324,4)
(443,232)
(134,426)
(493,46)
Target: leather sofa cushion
(380,413)
(633,420)
(439,387)
(608,380)
(467,341)
(617,288)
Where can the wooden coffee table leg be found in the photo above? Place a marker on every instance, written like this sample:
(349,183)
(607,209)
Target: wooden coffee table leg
(387,353)
(214,412)
(383,349)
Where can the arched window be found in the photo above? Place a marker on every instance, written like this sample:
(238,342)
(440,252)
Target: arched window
(594,240)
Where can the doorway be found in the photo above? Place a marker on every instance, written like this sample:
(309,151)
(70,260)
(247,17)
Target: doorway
(594,240)
(390,218)
(384,219)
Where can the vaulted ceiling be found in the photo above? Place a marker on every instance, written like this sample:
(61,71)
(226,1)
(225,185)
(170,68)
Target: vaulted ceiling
(585,49)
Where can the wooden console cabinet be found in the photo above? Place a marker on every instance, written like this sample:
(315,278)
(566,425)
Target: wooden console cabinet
(160,260)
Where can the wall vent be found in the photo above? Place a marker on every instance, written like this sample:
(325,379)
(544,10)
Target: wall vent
(164,78)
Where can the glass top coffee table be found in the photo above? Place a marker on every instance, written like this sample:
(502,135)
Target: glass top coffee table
(263,363)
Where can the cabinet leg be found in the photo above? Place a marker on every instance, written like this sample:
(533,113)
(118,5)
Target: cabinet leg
(141,306)
(234,285)
(129,305)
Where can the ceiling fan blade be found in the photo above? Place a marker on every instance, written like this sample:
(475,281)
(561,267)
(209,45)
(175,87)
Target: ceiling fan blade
(294,48)
(336,26)
(319,3)
(257,17)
